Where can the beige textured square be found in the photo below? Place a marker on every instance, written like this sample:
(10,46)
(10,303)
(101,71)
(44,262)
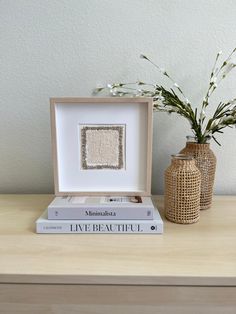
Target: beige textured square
(102,146)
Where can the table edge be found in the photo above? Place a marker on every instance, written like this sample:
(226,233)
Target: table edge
(118,280)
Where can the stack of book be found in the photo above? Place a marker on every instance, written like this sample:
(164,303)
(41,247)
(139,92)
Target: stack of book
(100,215)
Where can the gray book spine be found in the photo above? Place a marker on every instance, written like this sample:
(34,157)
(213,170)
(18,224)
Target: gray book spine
(104,213)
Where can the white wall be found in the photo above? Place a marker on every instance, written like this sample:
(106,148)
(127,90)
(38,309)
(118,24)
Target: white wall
(66,47)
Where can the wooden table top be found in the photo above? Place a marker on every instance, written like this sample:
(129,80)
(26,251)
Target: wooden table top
(203,253)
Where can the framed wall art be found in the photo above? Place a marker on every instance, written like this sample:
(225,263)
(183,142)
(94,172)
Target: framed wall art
(102,146)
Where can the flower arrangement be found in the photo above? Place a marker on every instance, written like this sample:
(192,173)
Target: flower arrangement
(173,100)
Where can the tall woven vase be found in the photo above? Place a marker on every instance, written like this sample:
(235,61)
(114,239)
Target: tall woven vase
(206,163)
(182,190)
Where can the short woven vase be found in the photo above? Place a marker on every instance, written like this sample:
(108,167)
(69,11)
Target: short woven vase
(182,190)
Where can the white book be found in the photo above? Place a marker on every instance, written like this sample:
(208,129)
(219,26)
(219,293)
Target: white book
(155,226)
(112,207)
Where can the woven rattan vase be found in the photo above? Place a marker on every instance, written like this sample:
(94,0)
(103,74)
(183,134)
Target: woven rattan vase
(182,190)
(206,163)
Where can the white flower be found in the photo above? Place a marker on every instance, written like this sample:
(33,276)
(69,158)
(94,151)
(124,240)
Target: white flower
(113,91)
(220,52)
(176,85)
(109,85)
(187,101)
(214,79)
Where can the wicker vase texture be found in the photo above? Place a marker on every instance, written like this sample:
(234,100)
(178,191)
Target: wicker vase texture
(182,190)
(206,163)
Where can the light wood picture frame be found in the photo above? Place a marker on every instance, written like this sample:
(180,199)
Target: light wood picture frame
(68,114)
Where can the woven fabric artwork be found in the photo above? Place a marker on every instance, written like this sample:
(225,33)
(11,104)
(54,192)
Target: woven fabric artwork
(102,146)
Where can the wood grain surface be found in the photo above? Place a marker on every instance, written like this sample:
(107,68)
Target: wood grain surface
(203,253)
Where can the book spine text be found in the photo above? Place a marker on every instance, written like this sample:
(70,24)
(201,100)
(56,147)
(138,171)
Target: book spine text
(96,227)
(100,213)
